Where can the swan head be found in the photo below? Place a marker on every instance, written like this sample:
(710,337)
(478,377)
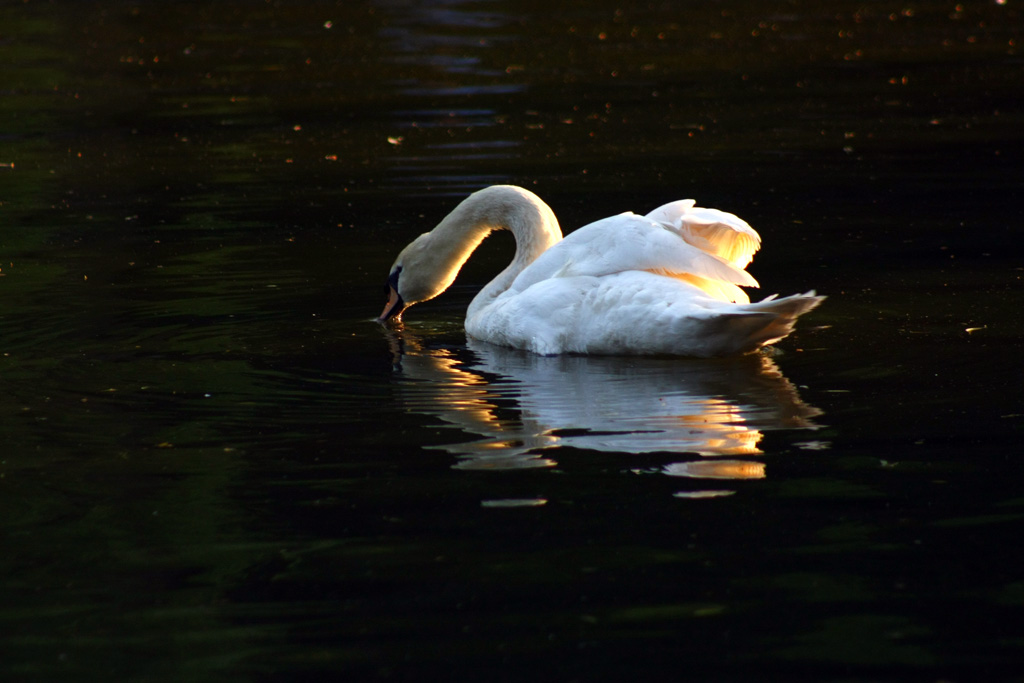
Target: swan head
(429,264)
(419,273)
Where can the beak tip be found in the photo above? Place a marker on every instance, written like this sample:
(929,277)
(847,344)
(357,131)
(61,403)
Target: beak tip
(393,309)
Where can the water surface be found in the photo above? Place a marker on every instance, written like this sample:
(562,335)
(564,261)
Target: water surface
(216,466)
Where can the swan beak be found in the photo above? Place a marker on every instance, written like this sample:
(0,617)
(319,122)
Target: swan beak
(393,308)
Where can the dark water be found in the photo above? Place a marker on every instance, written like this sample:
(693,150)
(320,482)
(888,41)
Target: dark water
(215,466)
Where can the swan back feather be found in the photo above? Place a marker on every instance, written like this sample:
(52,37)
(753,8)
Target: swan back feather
(717,232)
(629,242)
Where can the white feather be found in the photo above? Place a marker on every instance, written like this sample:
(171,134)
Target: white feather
(717,232)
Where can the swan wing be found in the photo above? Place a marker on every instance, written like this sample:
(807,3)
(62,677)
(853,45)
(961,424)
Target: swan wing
(716,232)
(629,242)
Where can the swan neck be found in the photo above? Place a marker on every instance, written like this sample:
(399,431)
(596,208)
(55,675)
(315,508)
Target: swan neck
(430,263)
(532,224)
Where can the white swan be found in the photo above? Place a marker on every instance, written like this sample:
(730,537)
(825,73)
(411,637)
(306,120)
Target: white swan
(664,283)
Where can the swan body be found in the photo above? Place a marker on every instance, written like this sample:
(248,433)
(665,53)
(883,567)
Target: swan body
(665,283)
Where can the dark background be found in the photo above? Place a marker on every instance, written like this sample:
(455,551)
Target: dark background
(212,467)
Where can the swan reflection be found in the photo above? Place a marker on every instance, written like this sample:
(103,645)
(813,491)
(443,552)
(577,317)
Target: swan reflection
(521,406)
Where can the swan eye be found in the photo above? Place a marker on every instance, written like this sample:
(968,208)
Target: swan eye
(395,305)
(392,282)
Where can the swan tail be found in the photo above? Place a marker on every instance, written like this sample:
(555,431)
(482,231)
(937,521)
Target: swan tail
(759,324)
